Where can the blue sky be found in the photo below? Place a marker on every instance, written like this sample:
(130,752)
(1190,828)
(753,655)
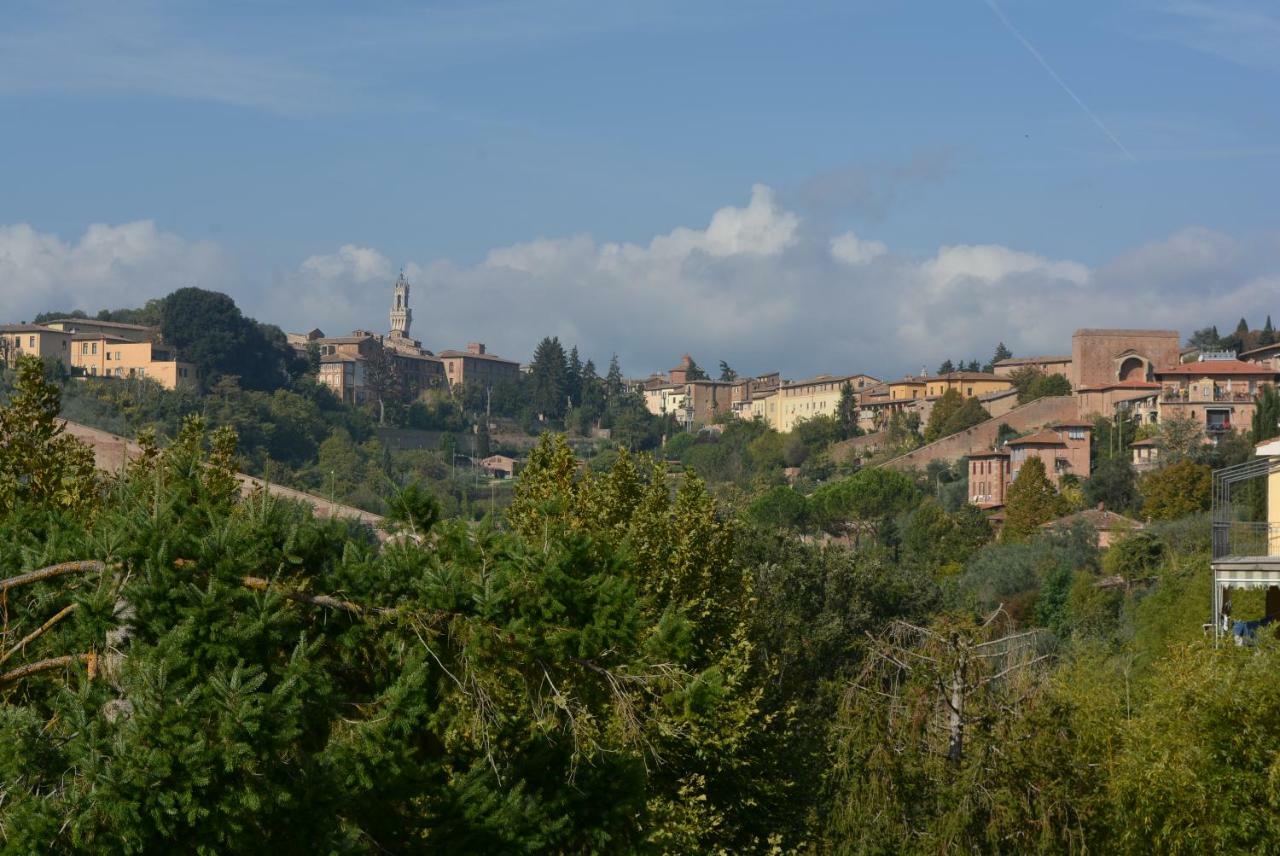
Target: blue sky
(1007,170)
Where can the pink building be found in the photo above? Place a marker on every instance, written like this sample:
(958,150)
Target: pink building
(1062,447)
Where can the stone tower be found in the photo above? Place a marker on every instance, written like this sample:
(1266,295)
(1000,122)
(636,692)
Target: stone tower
(401,314)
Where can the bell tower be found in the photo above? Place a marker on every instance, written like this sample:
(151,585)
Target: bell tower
(401,314)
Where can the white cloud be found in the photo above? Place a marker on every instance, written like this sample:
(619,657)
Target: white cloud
(108,267)
(359,264)
(851,249)
(756,286)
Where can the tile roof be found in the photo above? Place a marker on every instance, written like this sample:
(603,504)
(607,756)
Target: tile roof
(1210,368)
(1040,438)
(1099,518)
(91,321)
(494,357)
(969,376)
(29,328)
(1264,349)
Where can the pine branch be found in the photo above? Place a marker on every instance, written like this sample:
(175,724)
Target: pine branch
(47,666)
(35,634)
(81,567)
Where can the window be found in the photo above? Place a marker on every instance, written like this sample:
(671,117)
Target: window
(107,355)
(31,341)
(1075,433)
(93,347)
(84,347)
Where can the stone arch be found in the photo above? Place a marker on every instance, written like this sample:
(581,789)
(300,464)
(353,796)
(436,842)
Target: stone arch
(1132,368)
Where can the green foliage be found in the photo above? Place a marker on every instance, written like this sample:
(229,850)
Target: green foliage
(870,495)
(1041,385)
(1030,501)
(1177,490)
(953,413)
(1114,485)
(208,329)
(40,465)
(780,507)
(1135,556)
(1266,415)
(939,542)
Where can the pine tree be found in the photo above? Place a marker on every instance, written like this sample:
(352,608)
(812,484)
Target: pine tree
(549,376)
(727,374)
(1031,501)
(573,376)
(1001,353)
(614,384)
(695,372)
(1268,335)
(847,411)
(946,368)
(1266,415)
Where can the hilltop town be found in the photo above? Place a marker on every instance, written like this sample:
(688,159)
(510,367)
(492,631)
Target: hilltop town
(985,419)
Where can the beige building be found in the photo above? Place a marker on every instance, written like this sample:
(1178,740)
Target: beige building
(34,340)
(107,356)
(1219,394)
(817,396)
(968,384)
(476,365)
(1059,365)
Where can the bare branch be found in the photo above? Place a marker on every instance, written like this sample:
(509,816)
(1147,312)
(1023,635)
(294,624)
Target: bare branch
(46,666)
(81,567)
(35,634)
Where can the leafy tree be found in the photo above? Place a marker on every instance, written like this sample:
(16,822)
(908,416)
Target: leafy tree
(1031,500)
(940,543)
(1043,386)
(1176,490)
(384,382)
(952,413)
(870,495)
(1179,438)
(208,329)
(727,374)
(1135,556)
(695,371)
(1114,485)
(781,507)
(946,367)
(1205,339)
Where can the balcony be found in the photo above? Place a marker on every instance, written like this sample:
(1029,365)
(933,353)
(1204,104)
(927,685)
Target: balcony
(1190,395)
(1244,542)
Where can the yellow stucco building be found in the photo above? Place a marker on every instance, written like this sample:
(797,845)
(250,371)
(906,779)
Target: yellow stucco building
(107,356)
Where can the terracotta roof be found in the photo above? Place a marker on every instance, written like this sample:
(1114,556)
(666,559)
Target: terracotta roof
(1210,368)
(990,453)
(1150,441)
(1073,423)
(1129,384)
(100,337)
(90,321)
(1099,518)
(1040,438)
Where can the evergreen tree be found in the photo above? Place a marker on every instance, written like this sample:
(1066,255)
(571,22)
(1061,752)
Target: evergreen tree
(695,371)
(1242,329)
(573,376)
(847,411)
(946,368)
(1266,415)
(1031,501)
(727,374)
(1001,353)
(549,377)
(614,384)
(1268,335)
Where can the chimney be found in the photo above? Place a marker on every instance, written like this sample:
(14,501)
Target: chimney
(475,348)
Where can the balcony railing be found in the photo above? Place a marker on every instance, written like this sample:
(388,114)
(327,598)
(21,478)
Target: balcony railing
(1245,540)
(1187,396)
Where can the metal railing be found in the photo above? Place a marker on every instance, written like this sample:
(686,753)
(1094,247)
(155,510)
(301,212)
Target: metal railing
(1192,395)
(1243,539)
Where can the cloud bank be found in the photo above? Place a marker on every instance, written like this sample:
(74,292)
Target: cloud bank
(758,286)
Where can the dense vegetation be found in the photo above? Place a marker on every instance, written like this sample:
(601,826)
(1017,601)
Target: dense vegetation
(614,665)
